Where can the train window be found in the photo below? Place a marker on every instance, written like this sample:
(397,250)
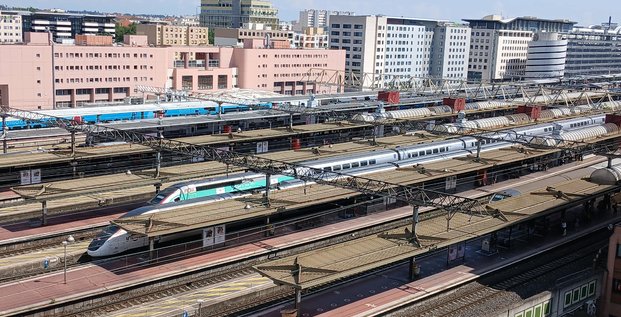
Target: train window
(177,199)
(435,151)
(336,168)
(371,162)
(355,164)
(414,154)
(472,143)
(409,155)
(224,184)
(327,169)
(364,163)
(428,152)
(442,150)
(346,166)
(421,153)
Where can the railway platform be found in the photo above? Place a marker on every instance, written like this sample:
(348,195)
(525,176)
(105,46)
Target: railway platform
(94,280)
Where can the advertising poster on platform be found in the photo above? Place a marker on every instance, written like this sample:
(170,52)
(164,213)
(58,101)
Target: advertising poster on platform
(452,252)
(35,176)
(220,234)
(25,177)
(208,237)
(461,250)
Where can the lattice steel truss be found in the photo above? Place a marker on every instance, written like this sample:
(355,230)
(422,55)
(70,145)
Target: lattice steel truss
(410,194)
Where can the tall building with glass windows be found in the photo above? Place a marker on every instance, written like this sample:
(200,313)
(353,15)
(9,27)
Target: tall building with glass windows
(403,47)
(235,13)
(594,50)
(499,46)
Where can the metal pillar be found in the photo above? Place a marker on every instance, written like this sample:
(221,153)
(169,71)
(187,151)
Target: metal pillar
(268,179)
(298,300)
(609,158)
(414,269)
(158,187)
(151,248)
(268,227)
(44,213)
(478,157)
(291,122)
(158,155)
(72,143)
(74,168)
(219,110)
(4,131)
(415,221)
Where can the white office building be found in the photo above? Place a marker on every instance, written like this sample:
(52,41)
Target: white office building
(499,46)
(404,47)
(546,56)
(312,18)
(10,27)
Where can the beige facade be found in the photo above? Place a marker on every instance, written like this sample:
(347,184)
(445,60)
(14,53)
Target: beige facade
(39,75)
(236,13)
(499,54)
(10,27)
(163,34)
(236,37)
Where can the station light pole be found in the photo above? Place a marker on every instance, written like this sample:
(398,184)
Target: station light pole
(70,239)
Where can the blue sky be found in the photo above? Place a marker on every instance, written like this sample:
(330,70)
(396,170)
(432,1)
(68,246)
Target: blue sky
(584,13)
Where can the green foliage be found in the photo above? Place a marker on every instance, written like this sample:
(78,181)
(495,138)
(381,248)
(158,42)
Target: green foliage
(122,30)
(210,36)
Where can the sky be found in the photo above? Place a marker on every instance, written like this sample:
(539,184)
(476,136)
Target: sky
(585,13)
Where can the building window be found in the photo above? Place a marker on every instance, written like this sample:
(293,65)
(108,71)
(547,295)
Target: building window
(205,82)
(222,81)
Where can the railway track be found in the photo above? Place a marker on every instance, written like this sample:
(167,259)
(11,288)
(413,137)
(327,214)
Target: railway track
(490,293)
(152,291)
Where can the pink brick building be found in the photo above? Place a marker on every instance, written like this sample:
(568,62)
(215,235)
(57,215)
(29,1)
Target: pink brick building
(86,74)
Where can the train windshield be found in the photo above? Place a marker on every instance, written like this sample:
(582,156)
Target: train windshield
(162,195)
(101,238)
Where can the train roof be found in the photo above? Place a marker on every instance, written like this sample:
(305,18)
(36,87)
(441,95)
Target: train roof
(128,108)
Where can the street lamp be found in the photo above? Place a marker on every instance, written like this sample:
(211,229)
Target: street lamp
(70,239)
(200,306)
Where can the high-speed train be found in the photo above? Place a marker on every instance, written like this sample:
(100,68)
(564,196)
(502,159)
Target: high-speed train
(114,240)
(214,186)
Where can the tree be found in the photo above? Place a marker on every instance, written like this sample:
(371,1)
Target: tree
(210,36)
(122,30)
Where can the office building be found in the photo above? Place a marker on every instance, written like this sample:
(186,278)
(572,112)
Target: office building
(166,34)
(546,56)
(67,25)
(38,75)
(594,50)
(312,18)
(235,13)
(404,47)
(249,31)
(499,47)
(10,27)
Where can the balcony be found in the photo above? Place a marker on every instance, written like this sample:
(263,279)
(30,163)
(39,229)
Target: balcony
(93,30)
(65,23)
(95,24)
(214,63)
(41,22)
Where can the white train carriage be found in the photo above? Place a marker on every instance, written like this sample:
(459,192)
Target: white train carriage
(422,150)
(351,161)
